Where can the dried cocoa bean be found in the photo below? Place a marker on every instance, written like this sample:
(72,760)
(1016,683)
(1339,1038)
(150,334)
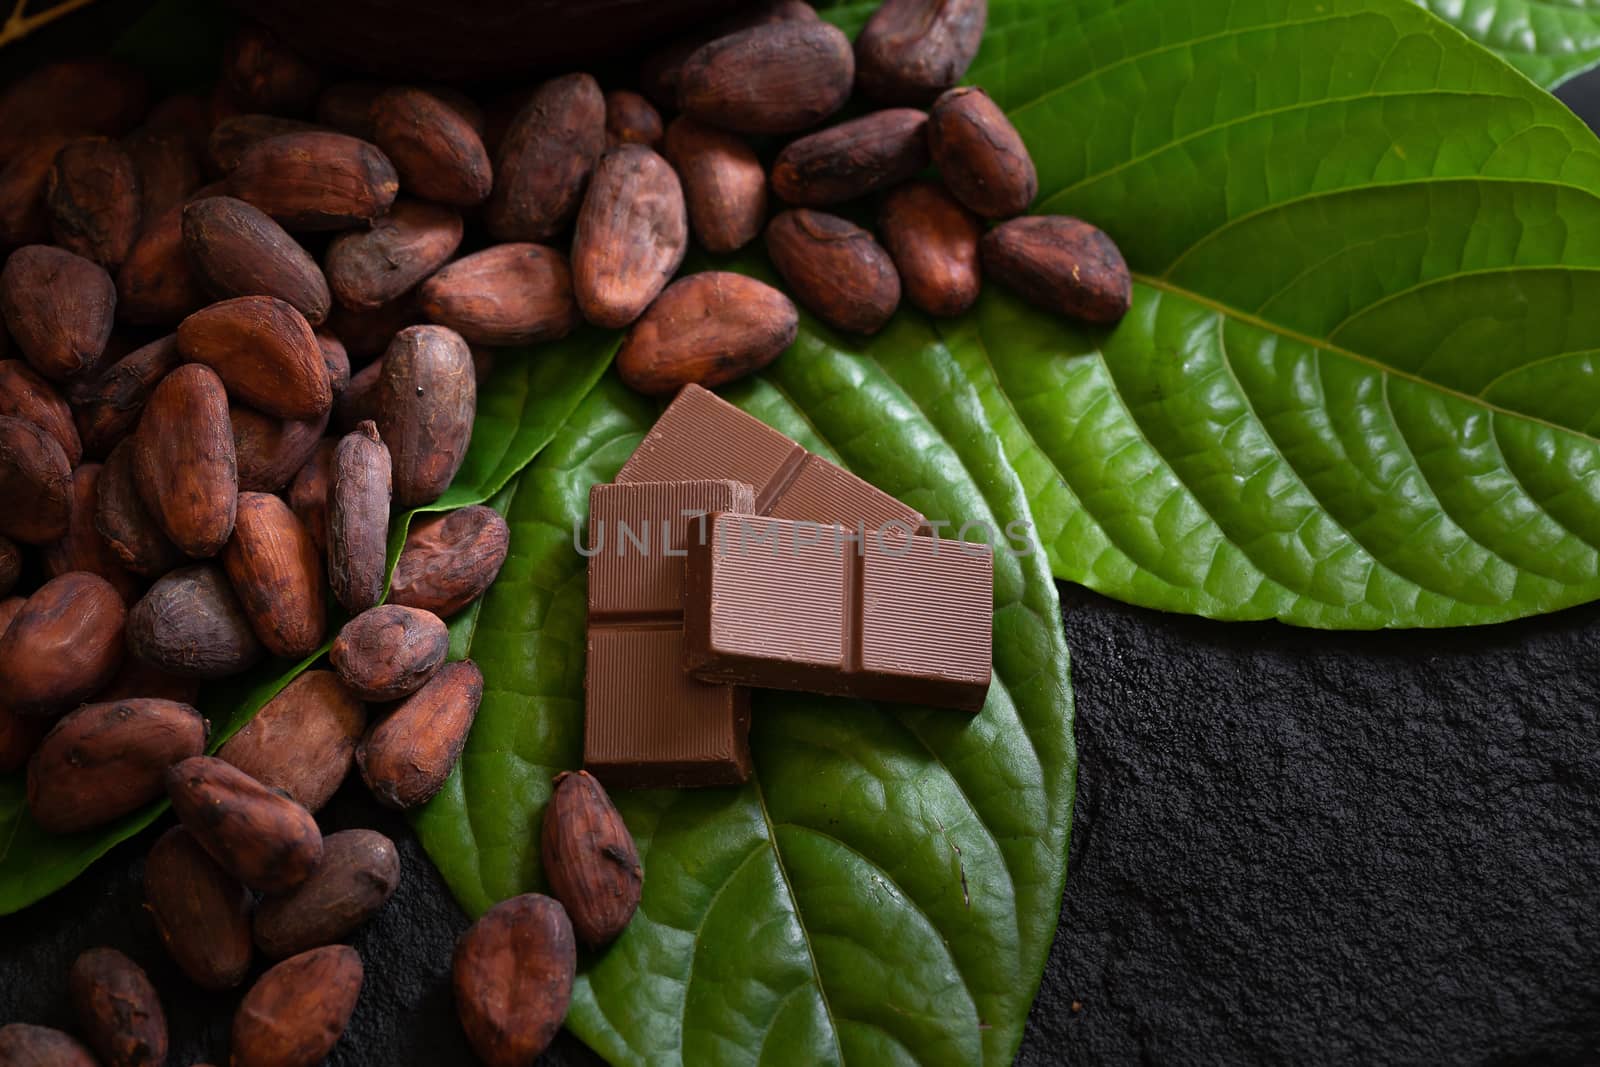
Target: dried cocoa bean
(835,269)
(138,680)
(92,195)
(359,872)
(435,150)
(64,644)
(129,529)
(158,285)
(83,549)
(24,219)
(933,241)
(546,158)
(264,352)
(853,158)
(590,859)
(513,294)
(724,184)
(118,1009)
(315,180)
(258,835)
(366,334)
(450,560)
(185,114)
(58,308)
(87,95)
(1063,265)
(102,761)
(778,78)
(26,396)
(359,402)
(308,493)
(10,608)
(303,741)
(10,570)
(192,625)
(405,758)
(167,171)
(106,407)
(235,135)
(25,1045)
(274,567)
(661,71)
(631,119)
(358,519)
(369,268)
(264,75)
(19,734)
(389,652)
(237,250)
(512,976)
(910,51)
(427,397)
(35,483)
(270,450)
(183,461)
(980,155)
(709,328)
(201,911)
(348,107)
(337,360)
(631,236)
(297,1011)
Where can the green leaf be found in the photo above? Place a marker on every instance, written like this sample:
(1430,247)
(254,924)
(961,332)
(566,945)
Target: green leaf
(886,887)
(527,398)
(1548,40)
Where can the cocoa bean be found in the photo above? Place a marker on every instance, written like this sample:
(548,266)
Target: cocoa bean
(106,407)
(724,184)
(26,396)
(359,489)
(348,108)
(185,114)
(295,1013)
(359,402)
(158,285)
(264,75)
(64,644)
(264,352)
(183,461)
(369,268)
(337,360)
(102,761)
(92,195)
(1063,265)
(126,524)
(590,859)
(389,652)
(933,241)
(778,78)
(631,119)
(24,219)
(631,236)
(512,976)
(270,450)
(274,567)
(167,171)
(359,872)
(25,1045)
(232,137)
(200,910)
(303,741)
(710,329)
(405,758)
(308,493)
(435,150)
(834,269)
(450,560)
(545,160)
(661,71)
(237,250)
(58,308)
(118,1009)
(427,397)
(513,294)
(258,835)
(980,155)
(10,608)
(85,95)
(35,483)
(10,571)
(910,51)
(19,734)
(191,624)
(139,680)
(82,548)
(366,334)
(853,158)
(315,180)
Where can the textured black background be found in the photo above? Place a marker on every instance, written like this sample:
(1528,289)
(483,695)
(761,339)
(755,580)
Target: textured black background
(1289,846)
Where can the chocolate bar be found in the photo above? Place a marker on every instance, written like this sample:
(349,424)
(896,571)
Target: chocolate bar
(781,604)
(647,724)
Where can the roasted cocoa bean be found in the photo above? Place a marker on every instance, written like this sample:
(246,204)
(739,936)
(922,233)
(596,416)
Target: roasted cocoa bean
(512,294)
(710,329)
(661,71)
(25,1045)
(303,741)
(369,268)
(127,526)
(427,397)
(834,269)
(192,625)
(366,334)
(359,872)
(724,184)
(102,761)
(64,644)
(405,758)
(10,570)
(631,119)
(260,836)
(389,652)
(512,976)
(237,250)
(1063,265)
(58,308)
(435,150)
(92,195)
(83,549)
(296,1012)
(274,567)
(933,241)
(26,396)
(24,219)
(158,285)
(35,483)
(545,160)
(264,352)
(910,51)
(358,519)
(167,170)
(337,360)
(853,158)
(138,680)
(779,78)
(118,1009)
(10,608)
(590,859)
(235,135)
(183,461)
(315,180)
(106,407)
(980,155)
(201,911)
(631,236)
(264,75)
(450,560)
(270,450)
(308,493)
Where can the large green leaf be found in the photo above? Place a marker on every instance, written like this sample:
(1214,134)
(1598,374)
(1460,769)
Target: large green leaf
(1548,40)
(886,887)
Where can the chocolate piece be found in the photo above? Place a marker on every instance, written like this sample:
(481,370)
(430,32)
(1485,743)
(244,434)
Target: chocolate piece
(823,609)
(647,724)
